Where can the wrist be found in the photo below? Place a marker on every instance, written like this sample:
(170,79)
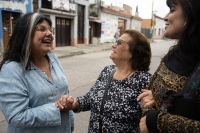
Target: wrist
(77,105)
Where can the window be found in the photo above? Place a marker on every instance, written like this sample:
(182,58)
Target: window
(47,4)
(159,32)
(35,5)
(96,29)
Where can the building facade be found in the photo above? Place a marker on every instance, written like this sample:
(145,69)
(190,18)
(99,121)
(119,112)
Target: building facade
(116,20)
(94,21)
(70,18)
(77,22)
(10,11)
(155,27)
(159,28)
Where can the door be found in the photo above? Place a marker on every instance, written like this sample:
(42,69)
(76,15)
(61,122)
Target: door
(121,26)
(90,32)
(63,32)
(80,24)
(9,21)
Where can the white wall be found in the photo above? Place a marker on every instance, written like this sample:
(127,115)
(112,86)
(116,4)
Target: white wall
(136,24)
(160,24)
(108,19)
(92,1)
(112,20)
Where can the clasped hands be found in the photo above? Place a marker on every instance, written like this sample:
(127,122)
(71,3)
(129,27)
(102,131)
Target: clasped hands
(66,103)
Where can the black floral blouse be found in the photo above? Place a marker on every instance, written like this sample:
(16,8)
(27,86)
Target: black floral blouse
(122,112)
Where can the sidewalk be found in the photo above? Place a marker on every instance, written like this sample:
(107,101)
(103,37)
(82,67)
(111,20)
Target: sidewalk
(67,51)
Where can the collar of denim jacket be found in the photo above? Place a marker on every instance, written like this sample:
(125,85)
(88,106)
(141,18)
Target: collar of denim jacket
(50,58)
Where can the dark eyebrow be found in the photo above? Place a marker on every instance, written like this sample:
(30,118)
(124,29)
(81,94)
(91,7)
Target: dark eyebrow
(173,6)
(44,26)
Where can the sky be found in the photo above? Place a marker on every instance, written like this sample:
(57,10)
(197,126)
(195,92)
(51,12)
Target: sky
(144,7)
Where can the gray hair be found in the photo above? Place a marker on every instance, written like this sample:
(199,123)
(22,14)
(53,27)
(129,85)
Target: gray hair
(31,24)
(19,45)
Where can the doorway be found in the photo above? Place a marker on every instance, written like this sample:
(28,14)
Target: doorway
(121,25)
(80,24)
(63,32)
(9,22)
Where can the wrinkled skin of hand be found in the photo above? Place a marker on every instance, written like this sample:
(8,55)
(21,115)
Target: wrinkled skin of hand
(146,98)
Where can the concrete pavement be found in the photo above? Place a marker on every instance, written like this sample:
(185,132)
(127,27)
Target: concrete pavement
(76,50)
(67,51)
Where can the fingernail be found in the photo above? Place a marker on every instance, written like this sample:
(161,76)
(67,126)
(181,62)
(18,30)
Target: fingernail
(62,107)
(137,99)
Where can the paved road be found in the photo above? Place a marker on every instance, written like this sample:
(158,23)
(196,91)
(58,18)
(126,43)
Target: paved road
(82,71)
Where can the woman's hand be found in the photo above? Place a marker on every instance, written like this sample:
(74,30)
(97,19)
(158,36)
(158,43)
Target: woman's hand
(66,103)
(146,99)
(143,126)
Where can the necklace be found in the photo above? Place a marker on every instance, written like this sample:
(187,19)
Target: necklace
(121,80)
(44,64)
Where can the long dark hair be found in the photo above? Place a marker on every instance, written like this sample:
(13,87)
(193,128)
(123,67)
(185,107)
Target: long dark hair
(188,45)
(19,45)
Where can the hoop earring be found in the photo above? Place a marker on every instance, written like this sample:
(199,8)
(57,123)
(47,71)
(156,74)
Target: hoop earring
(184,24)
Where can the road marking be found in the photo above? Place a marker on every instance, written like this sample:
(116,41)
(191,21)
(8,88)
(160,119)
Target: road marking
(93,80)
(2,120)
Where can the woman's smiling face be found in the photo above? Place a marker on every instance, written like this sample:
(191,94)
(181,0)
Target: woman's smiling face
(175,22)
(121,51)
(42,41)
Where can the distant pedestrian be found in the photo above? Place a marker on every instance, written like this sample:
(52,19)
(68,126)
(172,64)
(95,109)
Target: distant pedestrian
(32,80)
(121,112)
(117,35)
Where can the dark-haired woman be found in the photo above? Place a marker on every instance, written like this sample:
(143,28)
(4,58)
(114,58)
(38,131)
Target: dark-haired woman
(32,80)
(122,113)
(183,24)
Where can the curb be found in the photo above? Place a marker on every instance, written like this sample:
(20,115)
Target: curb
(70,55)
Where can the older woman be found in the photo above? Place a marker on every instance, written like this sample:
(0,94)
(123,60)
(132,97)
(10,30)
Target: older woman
(120,111)
(32,80)
(182,23)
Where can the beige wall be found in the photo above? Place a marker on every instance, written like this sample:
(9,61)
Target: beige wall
(146,23)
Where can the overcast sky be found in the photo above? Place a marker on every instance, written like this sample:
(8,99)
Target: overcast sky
(144,7)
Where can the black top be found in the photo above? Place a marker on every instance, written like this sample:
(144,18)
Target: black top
(179,65)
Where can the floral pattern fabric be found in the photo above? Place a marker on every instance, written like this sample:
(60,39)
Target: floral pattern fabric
(122,112)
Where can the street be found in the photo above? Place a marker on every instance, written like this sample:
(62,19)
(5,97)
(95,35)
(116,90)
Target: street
(82,71)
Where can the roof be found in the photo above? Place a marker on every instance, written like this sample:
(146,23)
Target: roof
(123,13)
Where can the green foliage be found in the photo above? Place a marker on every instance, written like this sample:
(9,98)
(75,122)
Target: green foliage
(92,5)
(77,53)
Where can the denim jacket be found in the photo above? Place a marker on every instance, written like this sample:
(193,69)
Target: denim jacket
(27,99)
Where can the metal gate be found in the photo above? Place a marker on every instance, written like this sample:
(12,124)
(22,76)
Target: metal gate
(146,32)
(63,32)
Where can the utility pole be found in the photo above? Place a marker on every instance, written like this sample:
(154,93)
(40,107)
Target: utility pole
(152,23)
